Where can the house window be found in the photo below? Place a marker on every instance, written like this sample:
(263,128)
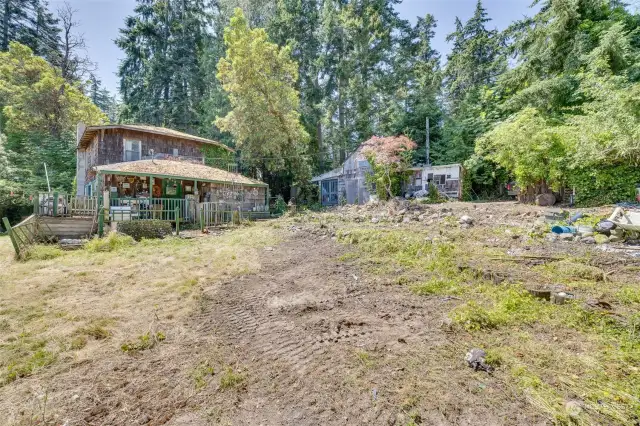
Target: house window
(132,150)
(175,152)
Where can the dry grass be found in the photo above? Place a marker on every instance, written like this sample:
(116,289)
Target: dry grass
(101,304)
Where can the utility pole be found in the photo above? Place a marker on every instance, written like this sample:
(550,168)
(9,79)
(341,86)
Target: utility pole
(428,142)
(46,173)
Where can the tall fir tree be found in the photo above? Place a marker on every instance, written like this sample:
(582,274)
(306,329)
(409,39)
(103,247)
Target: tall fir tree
(161,77)
(29,22)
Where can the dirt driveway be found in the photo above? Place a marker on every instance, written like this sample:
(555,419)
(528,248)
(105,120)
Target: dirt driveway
(323,344)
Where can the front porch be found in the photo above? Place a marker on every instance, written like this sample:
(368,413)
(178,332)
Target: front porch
(168,190)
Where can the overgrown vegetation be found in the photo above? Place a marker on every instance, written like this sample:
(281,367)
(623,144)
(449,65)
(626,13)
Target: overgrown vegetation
(553,353)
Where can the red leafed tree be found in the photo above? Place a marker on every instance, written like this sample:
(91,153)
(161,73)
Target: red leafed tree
(389,157)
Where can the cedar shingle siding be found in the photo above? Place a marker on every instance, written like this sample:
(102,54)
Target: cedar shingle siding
(107,147)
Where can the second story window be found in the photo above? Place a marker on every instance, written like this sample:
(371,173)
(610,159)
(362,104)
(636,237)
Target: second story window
(132,150)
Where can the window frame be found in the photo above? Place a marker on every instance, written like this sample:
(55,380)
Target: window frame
(128,142)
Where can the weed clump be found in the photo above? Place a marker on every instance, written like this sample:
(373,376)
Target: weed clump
(26,356)
(573,270)
(96,329)
(200,373)
(112,242)
(143,342)
(43,252)
(231,379)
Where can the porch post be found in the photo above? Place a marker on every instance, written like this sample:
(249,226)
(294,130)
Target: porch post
(55,204)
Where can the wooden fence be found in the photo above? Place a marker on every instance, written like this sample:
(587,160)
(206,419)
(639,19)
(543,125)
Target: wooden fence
(25,234)
(214,214)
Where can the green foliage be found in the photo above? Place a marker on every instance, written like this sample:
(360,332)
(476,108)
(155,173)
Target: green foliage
(112,242)
(39,111)
(148,229)
(280,206)
(35,98)
(162,76)
(260,78)
(528,146)
(604,185)
(200,374)
(511,305)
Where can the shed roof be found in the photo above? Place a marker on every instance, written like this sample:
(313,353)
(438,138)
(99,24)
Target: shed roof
(177,169)
(90,131)
(333,174)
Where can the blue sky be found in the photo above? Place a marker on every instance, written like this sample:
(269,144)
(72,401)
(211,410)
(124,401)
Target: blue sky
(101,19)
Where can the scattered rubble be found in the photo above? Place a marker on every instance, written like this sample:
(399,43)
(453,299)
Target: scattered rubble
(476,359)
(466,220)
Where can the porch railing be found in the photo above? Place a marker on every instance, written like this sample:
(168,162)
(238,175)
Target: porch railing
(65,205)
(121,209)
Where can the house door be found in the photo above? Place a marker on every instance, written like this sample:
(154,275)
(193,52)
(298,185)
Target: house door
(330,192)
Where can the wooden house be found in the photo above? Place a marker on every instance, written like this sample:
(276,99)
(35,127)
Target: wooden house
(149,172)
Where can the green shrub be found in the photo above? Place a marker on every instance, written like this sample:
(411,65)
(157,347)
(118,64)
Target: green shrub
(280,205)
(111,242)
(149,229)
(596,186)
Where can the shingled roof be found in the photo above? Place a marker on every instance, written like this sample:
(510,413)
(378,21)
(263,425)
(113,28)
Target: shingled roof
(90,131)
(177,169)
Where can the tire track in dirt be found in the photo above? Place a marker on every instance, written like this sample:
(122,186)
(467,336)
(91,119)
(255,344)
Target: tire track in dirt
(297,326)
(305,326)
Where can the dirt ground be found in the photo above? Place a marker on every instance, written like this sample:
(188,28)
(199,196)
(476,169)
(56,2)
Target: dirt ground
(311,329)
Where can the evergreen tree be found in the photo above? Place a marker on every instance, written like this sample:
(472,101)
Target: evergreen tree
(29,22)
(161,77)
(284,28)
(259,77)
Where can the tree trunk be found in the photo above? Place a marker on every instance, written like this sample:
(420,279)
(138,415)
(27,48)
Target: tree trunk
(5,25)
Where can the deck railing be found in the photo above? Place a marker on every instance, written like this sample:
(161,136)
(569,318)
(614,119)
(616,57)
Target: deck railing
(65,205)
(121,209)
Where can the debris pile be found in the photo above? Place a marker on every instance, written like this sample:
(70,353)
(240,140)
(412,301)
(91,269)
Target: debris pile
(620,227)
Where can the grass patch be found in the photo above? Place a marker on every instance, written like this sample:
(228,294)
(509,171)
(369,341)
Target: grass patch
(112,242)
(143,342)
(231,379)
(43,252)
(23,356)
(629,295)
(568,270)
(96,329)
(365,359)
(187,286)
(78,342)
(437,286)
(510,305)
(200,374)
